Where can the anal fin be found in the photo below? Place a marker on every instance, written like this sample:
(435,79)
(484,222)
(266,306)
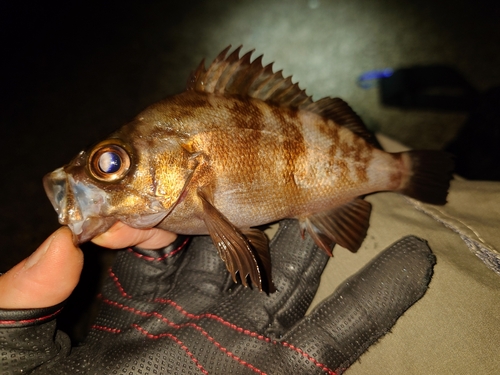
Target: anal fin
(244,252)
(345,225)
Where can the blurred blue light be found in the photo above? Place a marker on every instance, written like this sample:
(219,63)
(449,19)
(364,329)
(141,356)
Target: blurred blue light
(368,79)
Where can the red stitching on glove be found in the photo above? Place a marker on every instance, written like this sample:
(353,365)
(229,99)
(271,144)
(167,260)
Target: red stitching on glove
(118,284)
(33,320)
(214,317)
(159,259)
(204,333)
(124,307)
(210,338)
(106,329)
(178,326)
(220,320)
(177,341)
(244,331)
(201,316)
(305,355)
(148,258)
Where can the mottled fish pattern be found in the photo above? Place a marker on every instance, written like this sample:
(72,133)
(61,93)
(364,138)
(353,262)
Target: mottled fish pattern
(241,147)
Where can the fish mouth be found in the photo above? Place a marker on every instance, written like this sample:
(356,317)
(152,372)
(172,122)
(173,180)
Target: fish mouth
(77,205)
(83,207)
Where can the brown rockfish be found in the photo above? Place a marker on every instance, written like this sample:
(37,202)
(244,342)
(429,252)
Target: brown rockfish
(241,147)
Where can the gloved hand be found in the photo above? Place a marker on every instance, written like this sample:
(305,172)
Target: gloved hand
(178,311)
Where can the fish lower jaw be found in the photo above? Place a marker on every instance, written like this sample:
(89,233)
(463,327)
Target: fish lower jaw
(85,230)
(76,227)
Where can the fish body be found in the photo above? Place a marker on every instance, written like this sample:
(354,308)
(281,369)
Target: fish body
(241,147)
(263,163)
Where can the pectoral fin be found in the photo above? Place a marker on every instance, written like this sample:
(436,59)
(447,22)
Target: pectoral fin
(345,225)
(244,252)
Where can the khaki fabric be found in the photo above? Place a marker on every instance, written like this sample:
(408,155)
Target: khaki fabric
(455,327)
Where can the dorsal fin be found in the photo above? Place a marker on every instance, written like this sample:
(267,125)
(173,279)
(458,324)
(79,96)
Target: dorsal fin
(240,76)
(342,114)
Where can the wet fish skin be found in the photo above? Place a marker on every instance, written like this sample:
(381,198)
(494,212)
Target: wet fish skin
(241,147)
(274,163)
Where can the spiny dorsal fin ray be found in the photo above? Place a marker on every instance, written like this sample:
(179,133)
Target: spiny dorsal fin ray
(241,76)
(233,75)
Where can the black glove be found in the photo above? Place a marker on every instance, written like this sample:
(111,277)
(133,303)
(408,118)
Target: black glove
(178,311)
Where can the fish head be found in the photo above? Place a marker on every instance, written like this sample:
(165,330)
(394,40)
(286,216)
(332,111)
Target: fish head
(129,178)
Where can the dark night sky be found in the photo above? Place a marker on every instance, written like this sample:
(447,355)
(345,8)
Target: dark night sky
(71,73)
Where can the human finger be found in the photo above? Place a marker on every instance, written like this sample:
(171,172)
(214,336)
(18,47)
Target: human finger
(296,259)
(297,264)
(367,305)
(297,267)
(121,235)
(46,278)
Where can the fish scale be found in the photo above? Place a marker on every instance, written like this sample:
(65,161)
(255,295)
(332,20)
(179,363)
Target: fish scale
(241,147)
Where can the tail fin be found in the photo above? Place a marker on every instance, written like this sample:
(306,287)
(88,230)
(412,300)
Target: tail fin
(429,176)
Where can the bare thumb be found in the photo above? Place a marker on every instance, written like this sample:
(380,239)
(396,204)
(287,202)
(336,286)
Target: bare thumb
(47,277)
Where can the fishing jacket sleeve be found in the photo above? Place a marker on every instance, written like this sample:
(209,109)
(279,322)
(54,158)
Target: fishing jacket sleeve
(29,338)
(178,311)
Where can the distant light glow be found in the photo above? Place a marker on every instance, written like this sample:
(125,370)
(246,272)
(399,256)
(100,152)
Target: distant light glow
(314,4)
(368,79)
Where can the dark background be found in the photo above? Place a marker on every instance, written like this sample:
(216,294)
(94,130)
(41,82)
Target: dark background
(71,72)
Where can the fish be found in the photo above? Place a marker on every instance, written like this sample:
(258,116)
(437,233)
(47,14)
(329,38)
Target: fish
(240,148)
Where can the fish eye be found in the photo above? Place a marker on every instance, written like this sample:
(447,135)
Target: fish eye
(109,162)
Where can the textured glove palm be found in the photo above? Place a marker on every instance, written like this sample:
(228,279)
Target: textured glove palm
(178,311)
